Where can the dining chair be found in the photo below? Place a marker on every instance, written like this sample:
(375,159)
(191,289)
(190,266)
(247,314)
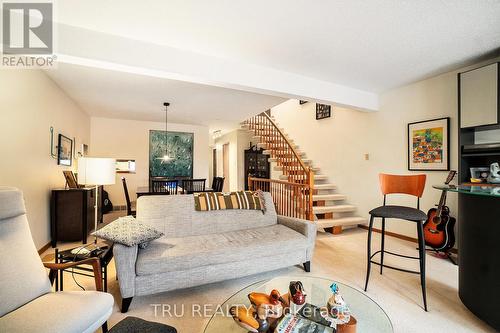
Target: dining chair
(130,211)
(217,184)
(394,184)
(164,186)
(191,186)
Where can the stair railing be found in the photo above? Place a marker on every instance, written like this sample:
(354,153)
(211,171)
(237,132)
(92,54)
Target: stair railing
(288,159)
(290,199)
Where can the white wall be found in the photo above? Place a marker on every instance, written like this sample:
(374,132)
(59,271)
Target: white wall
(338,144)
(117,138)
(238,141)
(31,103)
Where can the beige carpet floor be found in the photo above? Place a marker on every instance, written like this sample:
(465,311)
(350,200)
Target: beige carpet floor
(337,257)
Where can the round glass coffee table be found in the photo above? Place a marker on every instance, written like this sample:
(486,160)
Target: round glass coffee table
(369,315)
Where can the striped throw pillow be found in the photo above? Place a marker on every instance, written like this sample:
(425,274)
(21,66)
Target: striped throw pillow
(206,201)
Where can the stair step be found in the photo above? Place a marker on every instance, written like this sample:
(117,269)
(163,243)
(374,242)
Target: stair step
(327,197)
(320,177)
(324,187)
(333,209)
(343,221)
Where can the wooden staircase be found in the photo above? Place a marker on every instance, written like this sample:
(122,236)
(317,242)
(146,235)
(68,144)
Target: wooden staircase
(328,208)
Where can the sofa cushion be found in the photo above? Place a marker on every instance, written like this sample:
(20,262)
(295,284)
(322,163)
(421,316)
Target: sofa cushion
(62,312)
(178,254)
(174,215)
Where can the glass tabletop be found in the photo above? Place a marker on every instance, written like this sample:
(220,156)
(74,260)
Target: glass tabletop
(489,190)
(369,315)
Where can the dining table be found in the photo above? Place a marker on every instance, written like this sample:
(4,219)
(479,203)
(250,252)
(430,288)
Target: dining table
(146,190)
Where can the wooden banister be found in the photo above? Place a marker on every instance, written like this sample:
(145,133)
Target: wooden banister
(289,198)
(281,148)
(282,135)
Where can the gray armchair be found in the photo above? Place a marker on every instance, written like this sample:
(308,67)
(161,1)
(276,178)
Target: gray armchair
(27,303)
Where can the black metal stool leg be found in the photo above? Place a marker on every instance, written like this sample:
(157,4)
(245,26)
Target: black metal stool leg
(369,252)
(382,244)
(421,254)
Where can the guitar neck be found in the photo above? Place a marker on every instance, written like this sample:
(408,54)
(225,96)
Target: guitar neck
(442,202)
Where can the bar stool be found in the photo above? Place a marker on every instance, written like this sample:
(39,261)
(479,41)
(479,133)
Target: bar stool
(411,185)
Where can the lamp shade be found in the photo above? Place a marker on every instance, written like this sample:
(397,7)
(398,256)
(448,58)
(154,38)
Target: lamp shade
(96,171)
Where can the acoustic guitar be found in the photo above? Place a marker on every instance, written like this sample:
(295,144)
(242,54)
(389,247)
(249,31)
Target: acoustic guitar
(438,229)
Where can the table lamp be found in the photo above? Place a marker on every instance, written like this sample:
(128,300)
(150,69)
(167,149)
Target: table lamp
(96,171)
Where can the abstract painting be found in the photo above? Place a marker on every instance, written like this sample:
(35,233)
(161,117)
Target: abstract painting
(428,145)
(180,148)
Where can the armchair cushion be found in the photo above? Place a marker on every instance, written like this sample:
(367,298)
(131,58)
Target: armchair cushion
(62,312)
(22,275)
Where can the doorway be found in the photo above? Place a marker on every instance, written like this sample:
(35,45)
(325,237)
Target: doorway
(214,162)
(225,166)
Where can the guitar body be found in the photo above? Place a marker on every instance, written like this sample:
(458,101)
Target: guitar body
(439,230)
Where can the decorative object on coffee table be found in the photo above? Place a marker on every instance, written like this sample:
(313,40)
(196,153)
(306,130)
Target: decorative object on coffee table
(250,319)
(369,316)
(338,311)
(274,302)
(297,294)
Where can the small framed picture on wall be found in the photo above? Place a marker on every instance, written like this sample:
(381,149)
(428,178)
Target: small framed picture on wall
(429,145)
(64,150)
(323,111)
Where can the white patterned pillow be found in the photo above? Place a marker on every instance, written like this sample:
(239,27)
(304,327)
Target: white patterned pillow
(129,232)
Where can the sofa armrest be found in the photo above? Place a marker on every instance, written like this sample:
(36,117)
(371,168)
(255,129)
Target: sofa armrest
(125,258)
(305,227)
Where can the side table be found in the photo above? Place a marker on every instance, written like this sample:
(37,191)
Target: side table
(105,255)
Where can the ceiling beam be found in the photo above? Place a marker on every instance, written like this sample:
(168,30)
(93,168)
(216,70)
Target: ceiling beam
(94,49)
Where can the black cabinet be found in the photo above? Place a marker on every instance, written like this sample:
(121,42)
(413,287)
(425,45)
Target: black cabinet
(478,227)
(256,164)
(72,214)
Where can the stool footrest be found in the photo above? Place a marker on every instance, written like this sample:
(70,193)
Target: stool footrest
(394,254)
(395,268)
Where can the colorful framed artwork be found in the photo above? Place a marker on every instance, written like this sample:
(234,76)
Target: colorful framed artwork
(64,150)
(429,145)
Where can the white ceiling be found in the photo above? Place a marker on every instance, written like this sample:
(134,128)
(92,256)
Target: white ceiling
(368,45)
(115,94)
(219,62)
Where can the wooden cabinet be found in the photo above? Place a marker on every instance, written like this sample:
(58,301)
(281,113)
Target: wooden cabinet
(479,97)
(256,164)
(72,214)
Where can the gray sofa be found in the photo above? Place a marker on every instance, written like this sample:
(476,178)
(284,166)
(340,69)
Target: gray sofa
(205,247)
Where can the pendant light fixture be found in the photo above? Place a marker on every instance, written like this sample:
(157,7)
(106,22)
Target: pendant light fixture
(167,157)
